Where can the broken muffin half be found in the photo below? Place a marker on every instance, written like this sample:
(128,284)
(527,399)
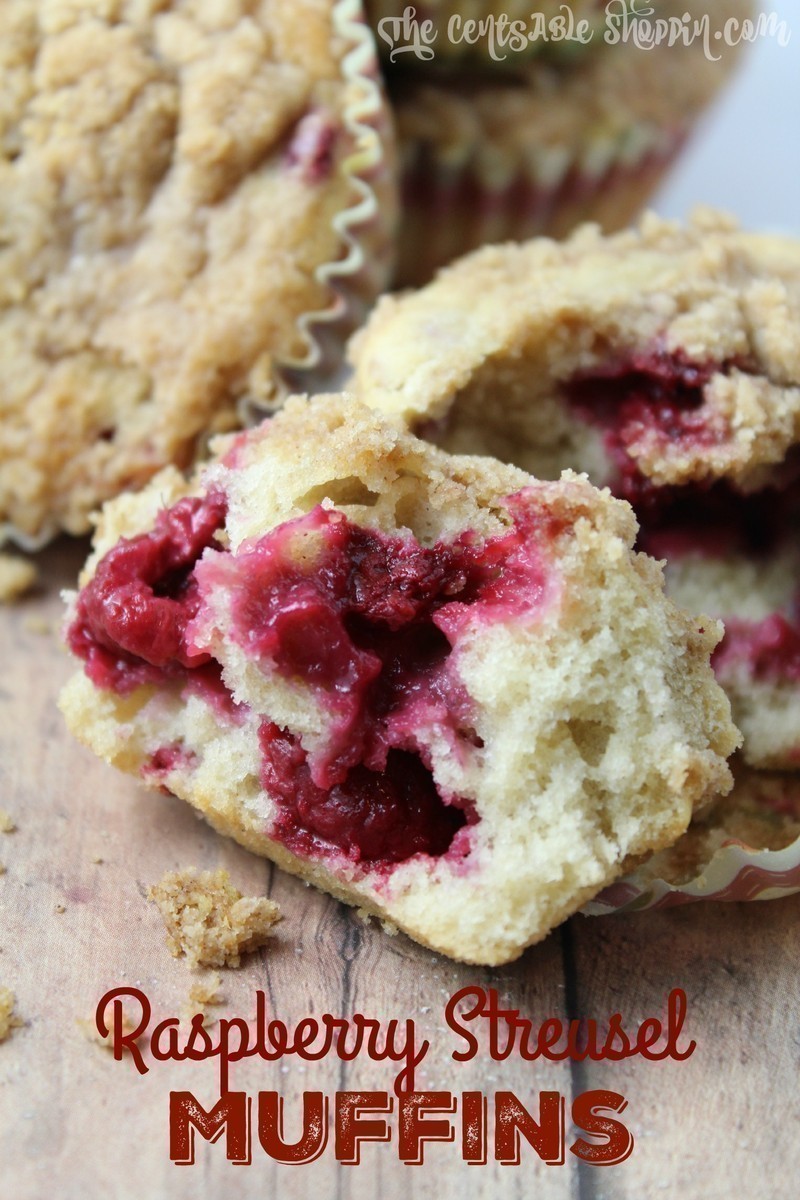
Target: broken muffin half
(433,686)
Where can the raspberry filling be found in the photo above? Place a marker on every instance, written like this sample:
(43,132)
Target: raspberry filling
(365,620)
(383,817)
(771,648)
(661,395)
(131,618)
(166,759)
(368,621)
(649,396)
(312,148)
(723,523)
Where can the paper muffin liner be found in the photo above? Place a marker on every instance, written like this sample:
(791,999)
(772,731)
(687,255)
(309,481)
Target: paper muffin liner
(449,210)
(366,230)
(722,857)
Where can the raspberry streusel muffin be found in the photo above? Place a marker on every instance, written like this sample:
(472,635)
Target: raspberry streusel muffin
(181,184)
(665,362)
(433,686)
(540,148)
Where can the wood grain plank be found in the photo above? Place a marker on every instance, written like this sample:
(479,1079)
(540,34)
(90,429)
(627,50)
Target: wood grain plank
(726,1122)
(67,1110)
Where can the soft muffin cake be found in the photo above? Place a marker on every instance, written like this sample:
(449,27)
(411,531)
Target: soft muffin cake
(174,176)
(439,689)
(665,362)
(748,573)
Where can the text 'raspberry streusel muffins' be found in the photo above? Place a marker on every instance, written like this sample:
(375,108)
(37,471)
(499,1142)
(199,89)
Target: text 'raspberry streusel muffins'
(433,686)
(539,148)
(665,362)
(189,192)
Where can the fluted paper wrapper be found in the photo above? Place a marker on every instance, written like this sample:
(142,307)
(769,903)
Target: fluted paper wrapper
(450,209)
(747,848)
(366,229)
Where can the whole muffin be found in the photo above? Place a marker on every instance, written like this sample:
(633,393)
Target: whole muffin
(539,147)
(186,189)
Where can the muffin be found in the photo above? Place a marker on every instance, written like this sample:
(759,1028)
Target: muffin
(433,686)
(540,147)
(665,362)
(187,190)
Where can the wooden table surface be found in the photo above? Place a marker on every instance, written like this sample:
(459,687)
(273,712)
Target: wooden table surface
(76,1124)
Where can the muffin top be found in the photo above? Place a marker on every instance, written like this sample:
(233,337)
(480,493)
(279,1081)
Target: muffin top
(659,357)
(172,178)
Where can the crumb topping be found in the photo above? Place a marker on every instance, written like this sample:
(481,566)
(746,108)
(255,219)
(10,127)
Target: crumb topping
(208,921)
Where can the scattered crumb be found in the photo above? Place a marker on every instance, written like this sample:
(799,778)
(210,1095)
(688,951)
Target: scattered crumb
(202,994)
(8,1020)
(2,869)
(206,991)
(208,920)
(60,908)
(37,625)
(388,927)
(17,576)
(7,822)
(90,1031)
(97,859)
